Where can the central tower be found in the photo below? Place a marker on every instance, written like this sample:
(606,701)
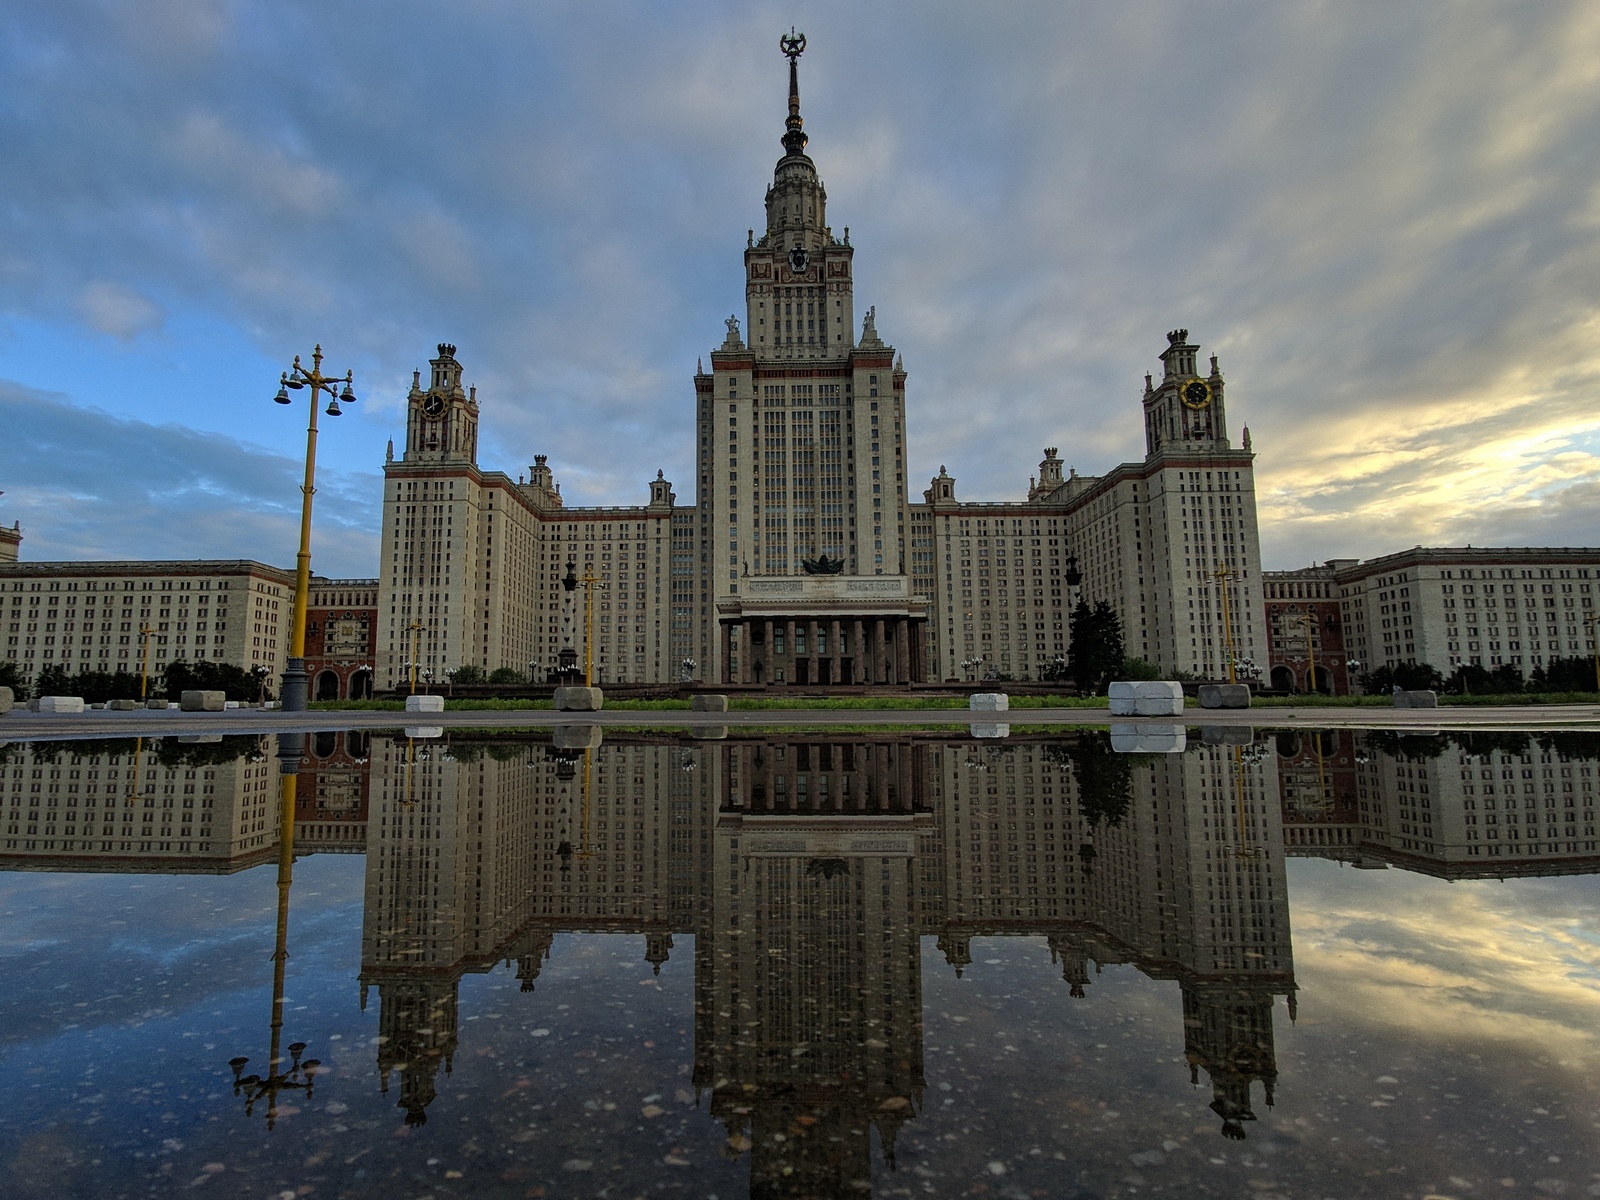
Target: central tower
(798,301)
(801,424)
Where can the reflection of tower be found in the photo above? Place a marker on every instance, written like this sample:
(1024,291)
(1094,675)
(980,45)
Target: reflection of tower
(1228,1031)
(417,1019)
(808,979)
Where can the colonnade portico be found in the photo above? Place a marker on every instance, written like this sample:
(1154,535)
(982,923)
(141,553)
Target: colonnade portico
(822,631)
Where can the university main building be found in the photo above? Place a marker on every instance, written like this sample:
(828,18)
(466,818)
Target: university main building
(803,559)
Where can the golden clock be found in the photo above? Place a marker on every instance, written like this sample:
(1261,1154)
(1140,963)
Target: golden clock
(1195,394)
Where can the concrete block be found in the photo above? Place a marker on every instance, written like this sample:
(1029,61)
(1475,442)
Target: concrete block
(1415,699)
(423,731)
(579,699)
(122,705)
(95,707)
(8,699)
(158,704)
(61,704)
(203,701)
(1124,699)
(576,737)
(32,705)
(1128,738)
(1227,735)
(424,703)
(708,733)
(990,729)
(230,704)
(200,738)
(703,703)
(1158,698)
(1224,695)
(989,702)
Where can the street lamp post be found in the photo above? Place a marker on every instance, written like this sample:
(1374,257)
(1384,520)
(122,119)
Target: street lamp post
(1592,620)
(295,689)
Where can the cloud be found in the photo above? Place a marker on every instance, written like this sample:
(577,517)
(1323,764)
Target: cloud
(1384,221)
(119,312)
(87,484)
(1461,961)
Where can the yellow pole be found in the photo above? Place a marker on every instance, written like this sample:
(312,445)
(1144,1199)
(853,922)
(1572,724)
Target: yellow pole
(288,784)
(583,848)
(1311,653)
(144,670)
(589,581)
(302,567)
(1222,575)
(1592,620)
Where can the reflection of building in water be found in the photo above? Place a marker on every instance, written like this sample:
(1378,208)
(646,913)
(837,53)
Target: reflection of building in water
(330,807)
(128,806)
(465,869)
(1317,789)
(1466,805)
(808,983)
(808,869)
(1174,866)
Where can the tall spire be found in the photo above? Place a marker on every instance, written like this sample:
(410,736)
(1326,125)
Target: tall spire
(794,139)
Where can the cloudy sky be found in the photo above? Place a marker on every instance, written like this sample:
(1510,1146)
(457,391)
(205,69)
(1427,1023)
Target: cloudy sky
(1384,217)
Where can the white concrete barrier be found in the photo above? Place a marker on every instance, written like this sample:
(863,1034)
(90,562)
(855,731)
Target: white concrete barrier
(989,702)
(1159,698)
(1224,695)
(1124,699)
(704,703)
(7,699)
(424,703)
(1404,699)
(203,701)
(424,731)
(579,699)
(990,729)
(61,704)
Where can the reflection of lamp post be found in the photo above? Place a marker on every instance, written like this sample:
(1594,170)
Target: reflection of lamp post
(261,674)
(300,1075)
(295,688)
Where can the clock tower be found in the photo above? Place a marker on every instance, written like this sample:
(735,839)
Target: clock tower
(1184,412)
(442,419)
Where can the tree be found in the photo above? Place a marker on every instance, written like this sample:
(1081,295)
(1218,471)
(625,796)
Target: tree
(1469,678)
(51,681)
(1096,652)
(1573,674)
(11,676)
(470,673)
(505,675)
(1409,676)
(234,682)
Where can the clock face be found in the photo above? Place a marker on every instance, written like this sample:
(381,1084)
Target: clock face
(1196,394)
(798,259)
(433,405)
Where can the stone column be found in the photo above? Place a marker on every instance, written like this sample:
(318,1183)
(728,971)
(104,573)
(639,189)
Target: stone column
(727,648)
(788,650)
(837,652)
